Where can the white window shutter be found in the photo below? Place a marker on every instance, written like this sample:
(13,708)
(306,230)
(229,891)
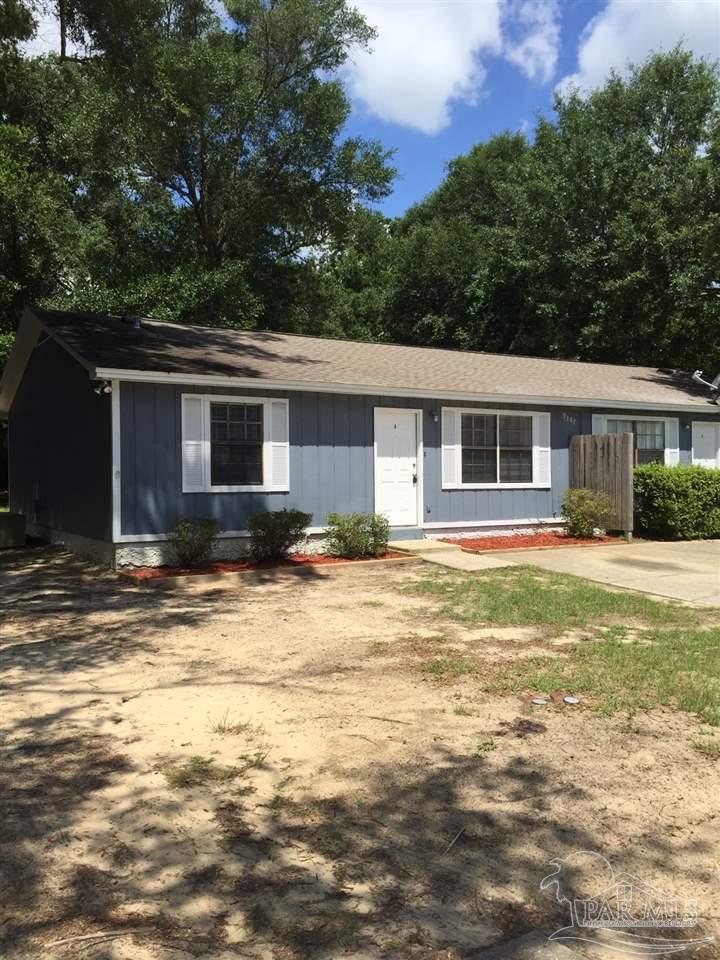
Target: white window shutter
(193,444)
(542,449)
(599,423)
(450,440)
(279,445)
(672,442)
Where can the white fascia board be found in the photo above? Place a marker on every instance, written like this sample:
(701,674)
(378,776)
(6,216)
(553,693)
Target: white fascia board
(304,386)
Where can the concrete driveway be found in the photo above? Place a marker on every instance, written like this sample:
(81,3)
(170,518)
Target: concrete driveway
(689,570)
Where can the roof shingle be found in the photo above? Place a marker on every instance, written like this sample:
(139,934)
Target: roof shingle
(103,342)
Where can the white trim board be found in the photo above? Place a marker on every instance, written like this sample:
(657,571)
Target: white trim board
(116,482)
(304,386)
(223,535)
(471,524)
(316,531)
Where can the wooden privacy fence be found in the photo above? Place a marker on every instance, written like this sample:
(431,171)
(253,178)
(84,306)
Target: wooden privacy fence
(604,461)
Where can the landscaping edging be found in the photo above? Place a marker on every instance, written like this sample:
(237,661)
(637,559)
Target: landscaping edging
(568,542)
(259,573)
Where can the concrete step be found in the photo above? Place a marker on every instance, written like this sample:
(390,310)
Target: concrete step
(449,555)
(422,547)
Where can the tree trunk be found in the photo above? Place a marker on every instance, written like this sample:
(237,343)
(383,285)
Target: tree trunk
(63,28)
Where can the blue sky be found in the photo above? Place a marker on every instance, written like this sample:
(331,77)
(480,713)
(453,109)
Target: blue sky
(446,74)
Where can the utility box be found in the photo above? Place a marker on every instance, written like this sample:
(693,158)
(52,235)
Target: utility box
(12,530)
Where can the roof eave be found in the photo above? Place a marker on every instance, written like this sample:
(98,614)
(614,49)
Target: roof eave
(183,379)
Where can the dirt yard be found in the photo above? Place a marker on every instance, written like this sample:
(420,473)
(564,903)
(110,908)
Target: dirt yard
(270,769)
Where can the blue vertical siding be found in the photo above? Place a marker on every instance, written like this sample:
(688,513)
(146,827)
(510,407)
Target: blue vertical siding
(60,444)
(331,462)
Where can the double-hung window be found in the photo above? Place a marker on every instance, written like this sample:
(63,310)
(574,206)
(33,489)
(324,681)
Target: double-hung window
(234,444)
(482,449)
(650,437)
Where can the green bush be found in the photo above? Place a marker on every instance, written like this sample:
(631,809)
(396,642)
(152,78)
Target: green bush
(356,535)
(677,503)
(274,533)
(192,541)
(586,511)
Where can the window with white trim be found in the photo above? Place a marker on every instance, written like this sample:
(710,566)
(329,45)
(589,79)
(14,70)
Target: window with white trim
(234,444)
(493,449)
(649,438)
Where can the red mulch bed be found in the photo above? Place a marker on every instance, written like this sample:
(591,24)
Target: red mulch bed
(529,540)
(237,566)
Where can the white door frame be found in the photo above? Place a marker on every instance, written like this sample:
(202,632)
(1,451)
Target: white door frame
(418,460)
(704,423)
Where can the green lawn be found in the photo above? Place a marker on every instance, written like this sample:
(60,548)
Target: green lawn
(528,596)
(642,653)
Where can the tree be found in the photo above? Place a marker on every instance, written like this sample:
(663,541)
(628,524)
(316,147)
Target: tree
(597,241)
(201,155)
(235,125)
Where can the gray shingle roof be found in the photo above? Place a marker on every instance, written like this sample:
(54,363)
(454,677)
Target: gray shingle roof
(110,343)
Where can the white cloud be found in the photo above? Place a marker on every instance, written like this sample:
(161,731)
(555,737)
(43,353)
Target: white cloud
(426,54)
(536,51)
(628,30)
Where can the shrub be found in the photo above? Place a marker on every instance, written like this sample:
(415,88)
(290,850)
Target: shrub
(677,503)
(585,511)
(357,535)
(192,541)
(274,533)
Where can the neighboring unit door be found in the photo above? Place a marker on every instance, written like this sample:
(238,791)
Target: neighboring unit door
(396,466)
(705,444)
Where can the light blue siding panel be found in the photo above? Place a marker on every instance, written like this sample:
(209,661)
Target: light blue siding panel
(331,463)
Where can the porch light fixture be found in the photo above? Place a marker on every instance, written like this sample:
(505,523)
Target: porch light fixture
(103,387)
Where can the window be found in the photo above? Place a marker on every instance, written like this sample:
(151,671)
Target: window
(236,444)
(482,449)
(233,444)
(479,448)
(516,450)
(649,438)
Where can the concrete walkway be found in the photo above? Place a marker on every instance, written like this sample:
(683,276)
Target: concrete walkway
(689,570)
(450,555)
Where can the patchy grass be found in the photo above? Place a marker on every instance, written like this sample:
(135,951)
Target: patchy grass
(447,668)
(679,668)
(223,726)
(462,711)
(710,748)
(528,596)
(641,652)
(195,771)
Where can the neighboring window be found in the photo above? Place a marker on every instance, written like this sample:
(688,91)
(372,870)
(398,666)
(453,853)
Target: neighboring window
(496,448)
(236,444)
(649,438)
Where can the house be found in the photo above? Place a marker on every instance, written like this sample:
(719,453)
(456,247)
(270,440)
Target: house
(119,427)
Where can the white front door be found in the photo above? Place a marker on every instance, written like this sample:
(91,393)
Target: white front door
(396,465)
(706,443)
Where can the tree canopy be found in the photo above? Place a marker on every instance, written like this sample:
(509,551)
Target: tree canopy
(599,240)
(188,161)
